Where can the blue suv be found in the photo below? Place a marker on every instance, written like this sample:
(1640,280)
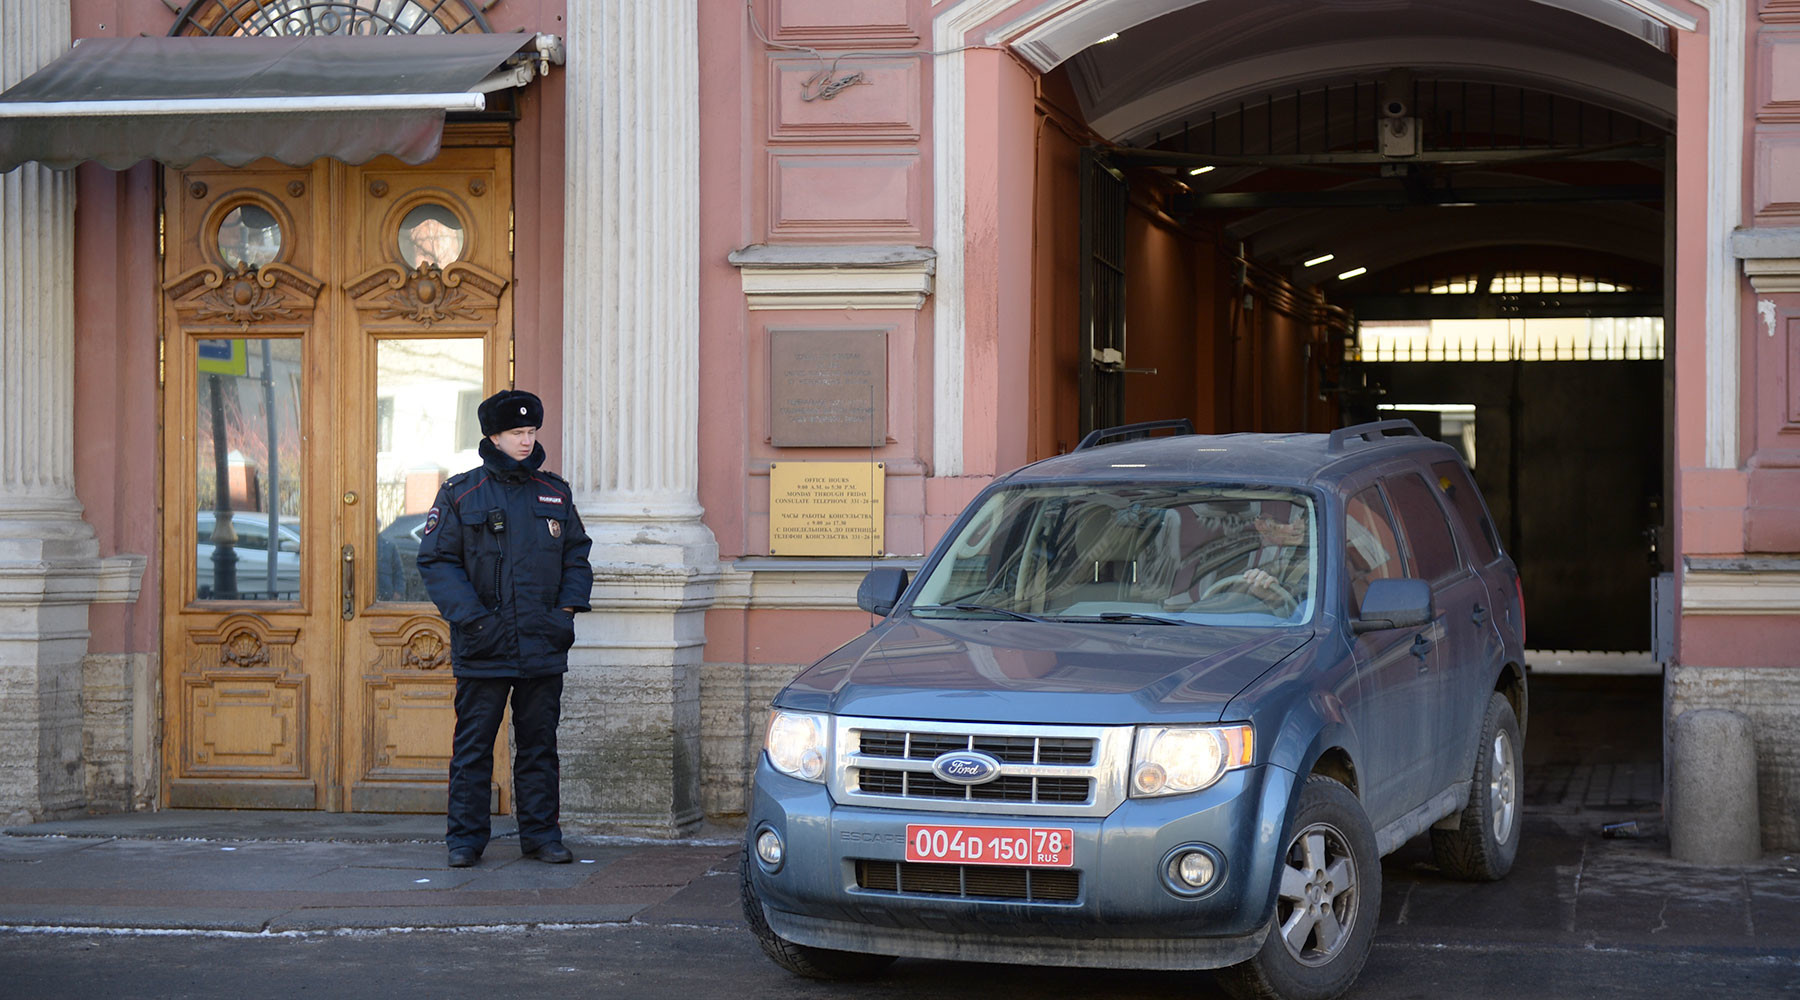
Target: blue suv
(1158,703)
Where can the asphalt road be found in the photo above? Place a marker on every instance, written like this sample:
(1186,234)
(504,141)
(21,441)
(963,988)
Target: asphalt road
(633,962)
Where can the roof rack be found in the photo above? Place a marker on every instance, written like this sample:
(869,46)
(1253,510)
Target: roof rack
(1372,432)
(1096,437)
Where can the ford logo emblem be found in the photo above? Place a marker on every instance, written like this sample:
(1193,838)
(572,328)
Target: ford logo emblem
(966,767)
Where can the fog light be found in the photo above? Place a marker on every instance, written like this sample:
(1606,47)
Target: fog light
(1194,869)
(769,848)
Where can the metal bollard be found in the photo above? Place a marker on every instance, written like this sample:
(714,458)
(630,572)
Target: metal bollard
(1713,817)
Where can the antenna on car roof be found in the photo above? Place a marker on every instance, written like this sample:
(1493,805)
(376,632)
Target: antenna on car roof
(1371,432)
(1097,437)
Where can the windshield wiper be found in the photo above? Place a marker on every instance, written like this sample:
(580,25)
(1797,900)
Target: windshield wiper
(1135,616)
(983,609)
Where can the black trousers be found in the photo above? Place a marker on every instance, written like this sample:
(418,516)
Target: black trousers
(537,707)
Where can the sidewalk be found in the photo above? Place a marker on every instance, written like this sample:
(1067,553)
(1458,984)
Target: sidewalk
(270,873)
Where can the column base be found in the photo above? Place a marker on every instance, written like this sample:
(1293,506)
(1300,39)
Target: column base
(50,573)
(630,735)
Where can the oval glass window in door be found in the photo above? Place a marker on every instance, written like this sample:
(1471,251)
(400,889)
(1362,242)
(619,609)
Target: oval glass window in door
(430,234)
(249,236)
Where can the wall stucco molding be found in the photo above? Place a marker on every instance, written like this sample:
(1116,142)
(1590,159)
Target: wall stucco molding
(1770,256)
(835,276)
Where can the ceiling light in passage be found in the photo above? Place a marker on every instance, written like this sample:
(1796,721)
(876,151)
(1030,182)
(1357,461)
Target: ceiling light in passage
(1316,261)
(1353,272)
(1197,171)
(1108,38)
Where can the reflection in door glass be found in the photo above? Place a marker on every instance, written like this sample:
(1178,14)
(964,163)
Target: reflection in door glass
(247,470)
(430,234)
(250,236)
(426,392)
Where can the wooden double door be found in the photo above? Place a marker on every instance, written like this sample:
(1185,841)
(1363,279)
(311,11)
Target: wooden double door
(328,333)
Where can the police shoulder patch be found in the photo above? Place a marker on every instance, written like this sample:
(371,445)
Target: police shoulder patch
(431,521)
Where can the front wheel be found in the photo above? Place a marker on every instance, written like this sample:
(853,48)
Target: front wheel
(1326,906)
(1486,838)
(802,960)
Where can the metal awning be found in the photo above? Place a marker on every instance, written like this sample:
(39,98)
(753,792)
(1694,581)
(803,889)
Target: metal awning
(181,99)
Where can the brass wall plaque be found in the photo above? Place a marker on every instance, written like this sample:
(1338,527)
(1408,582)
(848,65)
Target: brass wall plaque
(828,388)
(826,508)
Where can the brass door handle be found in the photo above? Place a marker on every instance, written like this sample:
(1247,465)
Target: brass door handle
(349,582)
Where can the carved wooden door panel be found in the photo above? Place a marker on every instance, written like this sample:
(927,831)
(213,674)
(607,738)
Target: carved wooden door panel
(427,282)
(328,332)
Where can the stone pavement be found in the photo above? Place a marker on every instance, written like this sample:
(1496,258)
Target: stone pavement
(1591,759)
(272,872)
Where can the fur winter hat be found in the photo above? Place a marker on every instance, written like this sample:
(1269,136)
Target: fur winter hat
(509,408)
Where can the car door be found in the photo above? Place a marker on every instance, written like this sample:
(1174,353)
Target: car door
(1393,679)
(1462,637)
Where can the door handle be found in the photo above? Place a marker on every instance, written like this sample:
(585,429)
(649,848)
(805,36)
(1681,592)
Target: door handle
(349,582)
(1420,647)
(1479,616)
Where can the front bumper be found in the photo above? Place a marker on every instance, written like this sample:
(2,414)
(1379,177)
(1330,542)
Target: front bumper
(1122,915)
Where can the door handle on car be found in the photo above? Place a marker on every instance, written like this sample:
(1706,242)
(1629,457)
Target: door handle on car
(1420,647)
(1479,616)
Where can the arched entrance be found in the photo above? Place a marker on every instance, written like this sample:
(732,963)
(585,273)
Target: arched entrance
(1411,164)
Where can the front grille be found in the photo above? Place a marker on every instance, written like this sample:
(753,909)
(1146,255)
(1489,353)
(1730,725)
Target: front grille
(1018,885)
(1006,749)
(1008,788)
(1045,769)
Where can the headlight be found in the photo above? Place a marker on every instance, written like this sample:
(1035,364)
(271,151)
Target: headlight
(1169,760)
(796,744)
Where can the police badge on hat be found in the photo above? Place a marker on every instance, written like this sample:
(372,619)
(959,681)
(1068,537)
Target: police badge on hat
(555,528)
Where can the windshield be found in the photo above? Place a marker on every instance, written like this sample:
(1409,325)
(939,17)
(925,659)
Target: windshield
(1134,553)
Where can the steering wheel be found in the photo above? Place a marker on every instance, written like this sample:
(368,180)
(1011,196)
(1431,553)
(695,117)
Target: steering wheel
(1237,579)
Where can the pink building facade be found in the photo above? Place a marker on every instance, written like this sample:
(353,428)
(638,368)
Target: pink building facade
(699,187)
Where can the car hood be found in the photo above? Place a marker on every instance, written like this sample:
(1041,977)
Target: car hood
(1041,672)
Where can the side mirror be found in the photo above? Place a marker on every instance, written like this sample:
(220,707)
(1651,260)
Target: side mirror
(1394,604)
(881,589)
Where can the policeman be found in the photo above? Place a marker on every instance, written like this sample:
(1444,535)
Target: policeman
(505,559)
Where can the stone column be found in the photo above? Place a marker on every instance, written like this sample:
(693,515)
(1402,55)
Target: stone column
(50,570)
(631,333)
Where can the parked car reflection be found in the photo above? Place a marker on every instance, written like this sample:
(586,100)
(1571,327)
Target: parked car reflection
(397,560)
(251,552)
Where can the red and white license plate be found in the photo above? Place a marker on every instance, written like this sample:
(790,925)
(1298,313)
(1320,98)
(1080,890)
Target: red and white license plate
(1034,847)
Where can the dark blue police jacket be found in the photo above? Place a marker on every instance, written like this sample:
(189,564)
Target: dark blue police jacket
(502,554)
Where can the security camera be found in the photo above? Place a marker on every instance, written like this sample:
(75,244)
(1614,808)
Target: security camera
(1393,107)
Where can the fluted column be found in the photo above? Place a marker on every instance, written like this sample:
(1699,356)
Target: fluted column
(49,566)
(631,339)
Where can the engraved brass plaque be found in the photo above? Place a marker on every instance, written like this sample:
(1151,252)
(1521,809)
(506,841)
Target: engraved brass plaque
(826,508)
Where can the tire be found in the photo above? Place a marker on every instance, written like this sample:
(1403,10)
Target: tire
(1486,840)
(1330,877)
(799,959)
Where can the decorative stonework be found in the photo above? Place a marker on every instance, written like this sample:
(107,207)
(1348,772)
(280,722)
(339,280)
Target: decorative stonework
(836,276)
(1770,256)
(1742,586)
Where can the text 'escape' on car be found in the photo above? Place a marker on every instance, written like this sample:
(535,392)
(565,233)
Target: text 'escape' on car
(1156,704)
